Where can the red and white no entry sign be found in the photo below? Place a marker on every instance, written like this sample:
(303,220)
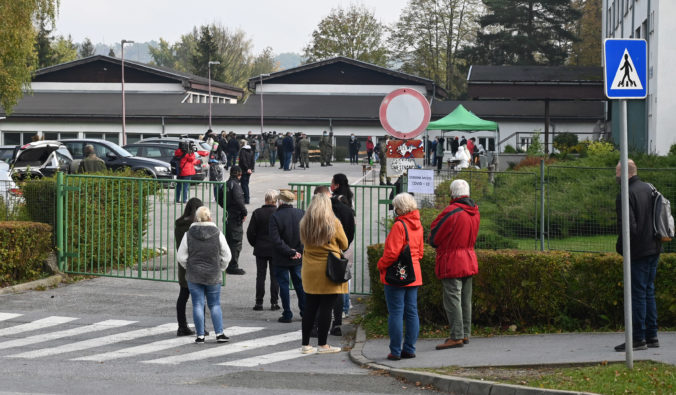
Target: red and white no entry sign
(405,113)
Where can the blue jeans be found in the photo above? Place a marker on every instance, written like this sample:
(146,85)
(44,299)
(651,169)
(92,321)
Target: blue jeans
(346,303)
(213,293)
(273,156)
(402,306)
(287,160)
(184,186)
(282,275)
(643,305)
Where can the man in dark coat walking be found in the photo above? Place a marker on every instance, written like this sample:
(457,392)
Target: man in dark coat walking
(288,252)
(247,163)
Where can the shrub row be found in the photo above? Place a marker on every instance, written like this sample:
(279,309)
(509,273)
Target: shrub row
(24,246)
(566,290)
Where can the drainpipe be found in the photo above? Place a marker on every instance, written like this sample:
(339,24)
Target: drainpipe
(647,81)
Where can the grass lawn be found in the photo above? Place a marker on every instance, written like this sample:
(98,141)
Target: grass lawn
(646,377)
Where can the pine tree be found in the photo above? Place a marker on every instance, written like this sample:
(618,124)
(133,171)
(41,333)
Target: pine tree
(525,32)
(206,51)
(111,53)
(43,40)
(86,48)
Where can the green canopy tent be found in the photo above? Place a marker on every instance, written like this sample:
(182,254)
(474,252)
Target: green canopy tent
(463,120)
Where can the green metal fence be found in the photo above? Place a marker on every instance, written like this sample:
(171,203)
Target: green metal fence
(123,227)
(372,220)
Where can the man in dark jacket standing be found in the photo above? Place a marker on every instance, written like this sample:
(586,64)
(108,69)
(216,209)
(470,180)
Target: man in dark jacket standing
(453,234)
(247,162)
(233,149)
(645,254)
(288,252)
(287,145)
(259,237)
(236,212)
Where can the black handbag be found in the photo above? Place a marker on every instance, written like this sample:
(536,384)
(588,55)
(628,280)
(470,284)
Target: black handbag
(401,272)
(338,269)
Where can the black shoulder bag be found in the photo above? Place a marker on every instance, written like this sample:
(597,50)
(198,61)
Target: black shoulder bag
(338,269)
(401,272)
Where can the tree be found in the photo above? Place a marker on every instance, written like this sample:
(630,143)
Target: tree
(428,37)
(111,53)
(43,40)
(86,48)
(587,51)
(63,50)
(215,43)
(525,32)
(17,52)
(354,33)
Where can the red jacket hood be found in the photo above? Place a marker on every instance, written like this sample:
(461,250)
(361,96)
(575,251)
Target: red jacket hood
(467,204)
(411,219)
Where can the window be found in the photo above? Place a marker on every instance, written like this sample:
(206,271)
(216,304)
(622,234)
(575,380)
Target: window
(18,138)
(133,150)
(75,149)
(153,152)
(60,135)
(101,150)
(112,137)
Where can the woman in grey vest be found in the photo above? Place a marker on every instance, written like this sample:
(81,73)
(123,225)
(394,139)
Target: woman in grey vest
(205,255)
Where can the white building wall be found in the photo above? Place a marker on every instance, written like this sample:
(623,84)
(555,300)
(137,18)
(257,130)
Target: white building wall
(334,89)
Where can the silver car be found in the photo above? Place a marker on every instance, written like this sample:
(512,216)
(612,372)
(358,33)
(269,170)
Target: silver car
(40,159)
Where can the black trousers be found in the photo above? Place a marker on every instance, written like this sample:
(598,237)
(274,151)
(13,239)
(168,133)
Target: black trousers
(263,265)
(183,295)
(440,161)
(233,236)
(323,304)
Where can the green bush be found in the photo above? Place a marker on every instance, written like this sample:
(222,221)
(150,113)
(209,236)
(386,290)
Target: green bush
(510,150)
(567,290)
(565,141)
(672,150)
(24,246)
(340,153)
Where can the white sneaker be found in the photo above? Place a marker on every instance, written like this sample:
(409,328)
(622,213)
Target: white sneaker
(328,350)
(344,315)
(308,350)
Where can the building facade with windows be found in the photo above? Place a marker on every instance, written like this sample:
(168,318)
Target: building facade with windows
(650,121)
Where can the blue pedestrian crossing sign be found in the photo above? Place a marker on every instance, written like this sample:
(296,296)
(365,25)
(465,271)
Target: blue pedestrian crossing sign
(625,63)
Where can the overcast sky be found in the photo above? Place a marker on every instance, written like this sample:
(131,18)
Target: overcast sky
(284,25)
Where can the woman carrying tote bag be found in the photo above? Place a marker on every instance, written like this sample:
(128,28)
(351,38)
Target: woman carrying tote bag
(402,301)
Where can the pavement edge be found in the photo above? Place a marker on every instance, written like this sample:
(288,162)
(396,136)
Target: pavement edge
(451,384)
(32,285)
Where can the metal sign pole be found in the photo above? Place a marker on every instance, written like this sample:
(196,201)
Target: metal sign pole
(626,245)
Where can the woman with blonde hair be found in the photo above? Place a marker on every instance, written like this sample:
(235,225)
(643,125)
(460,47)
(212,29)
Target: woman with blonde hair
(321,234)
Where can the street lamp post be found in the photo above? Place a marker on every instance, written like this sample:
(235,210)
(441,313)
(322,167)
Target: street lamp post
(210,98)
(124,108)
(261,78)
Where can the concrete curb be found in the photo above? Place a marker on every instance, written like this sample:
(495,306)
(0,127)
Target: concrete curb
(42,283)
(452,384)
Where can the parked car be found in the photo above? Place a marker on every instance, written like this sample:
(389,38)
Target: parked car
(7,153)
(117,157)
(10,194)
(203,150)
(40,159)
(164,152)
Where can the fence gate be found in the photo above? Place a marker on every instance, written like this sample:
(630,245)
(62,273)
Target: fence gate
(373,218)
(121,226)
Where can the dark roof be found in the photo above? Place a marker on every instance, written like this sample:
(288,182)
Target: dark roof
(347,71)
(73,106)
(547,74)
(73,72)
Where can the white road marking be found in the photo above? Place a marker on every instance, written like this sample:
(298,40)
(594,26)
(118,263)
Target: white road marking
(8,316)
(97,342)
(160,345)
(109,324)
(38,324)
(266,359)
(229,348)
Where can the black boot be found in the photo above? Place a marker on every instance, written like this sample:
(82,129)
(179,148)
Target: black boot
(184,331)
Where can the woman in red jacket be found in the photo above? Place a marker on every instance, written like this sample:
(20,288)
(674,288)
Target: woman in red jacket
(453,234)
(402,302)
(186,169)
(369,149)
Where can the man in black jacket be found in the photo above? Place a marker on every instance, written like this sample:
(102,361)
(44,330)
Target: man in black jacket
(287,252)
(645,251)
(236,212)
(259,237)
(233,149)
(247,162)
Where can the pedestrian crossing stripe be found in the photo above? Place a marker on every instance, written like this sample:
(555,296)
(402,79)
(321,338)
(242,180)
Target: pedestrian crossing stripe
(39,324)
(160,345)
(25,341)
(8,316)
(229,349)
(626,76)
(266,359)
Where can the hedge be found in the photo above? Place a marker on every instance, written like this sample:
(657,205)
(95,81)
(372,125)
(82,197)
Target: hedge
(566,290)
(24,246)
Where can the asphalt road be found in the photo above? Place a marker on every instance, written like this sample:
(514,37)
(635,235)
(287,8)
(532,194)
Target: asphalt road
(109,336)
